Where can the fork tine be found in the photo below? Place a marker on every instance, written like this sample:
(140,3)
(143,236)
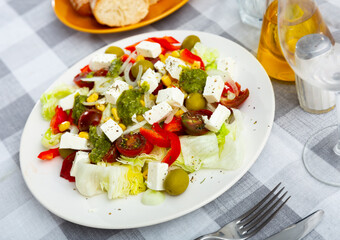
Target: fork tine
(243,216)
(247,220)
(266,213)
(255,230)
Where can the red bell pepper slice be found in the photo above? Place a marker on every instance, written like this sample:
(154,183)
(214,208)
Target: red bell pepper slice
(49,154)
(165,42)
(59,117)
(175,144)
(174,126)
(125,57)
(170,39)
(85,69)
(155,138)
(189,57)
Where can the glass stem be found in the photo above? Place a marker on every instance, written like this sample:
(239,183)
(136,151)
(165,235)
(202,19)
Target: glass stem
(337,105)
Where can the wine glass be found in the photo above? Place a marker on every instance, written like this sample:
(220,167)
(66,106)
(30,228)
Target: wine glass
(310,43)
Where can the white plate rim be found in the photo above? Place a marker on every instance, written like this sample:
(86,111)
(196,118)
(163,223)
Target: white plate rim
(244,169)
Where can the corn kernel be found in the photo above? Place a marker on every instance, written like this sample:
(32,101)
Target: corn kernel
(92,98)
(115,114)
(142,102)
(100,107)
(122,126)
(139,57)
(166,80)
(130,87)
(175,54)
(152,97)
(179,113)
(162,58)
(84,135)
(145,174)
(64,126)
(166,55)
(139,118)
(196,65)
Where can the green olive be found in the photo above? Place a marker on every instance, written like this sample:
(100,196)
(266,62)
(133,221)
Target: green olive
(189,42)
(195,101)
(145,64)
(176,182)
(115,50)
(65,152)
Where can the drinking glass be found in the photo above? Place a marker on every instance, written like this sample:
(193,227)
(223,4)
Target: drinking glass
(311,44)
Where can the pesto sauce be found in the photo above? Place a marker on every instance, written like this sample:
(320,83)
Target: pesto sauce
(101,145)
(78,107)
(193,80)
(129,104)
(114,68)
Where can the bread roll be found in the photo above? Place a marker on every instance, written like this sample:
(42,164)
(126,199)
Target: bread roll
(116,13)
(153,1)
(82,7)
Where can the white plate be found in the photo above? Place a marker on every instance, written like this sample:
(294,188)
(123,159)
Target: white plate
(60,196)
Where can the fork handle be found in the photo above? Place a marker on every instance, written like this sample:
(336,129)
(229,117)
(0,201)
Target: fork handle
(210,237)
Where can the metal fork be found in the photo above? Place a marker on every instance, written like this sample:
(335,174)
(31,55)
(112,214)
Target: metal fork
(248,224)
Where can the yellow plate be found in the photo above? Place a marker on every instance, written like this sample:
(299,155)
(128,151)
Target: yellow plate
(72,19)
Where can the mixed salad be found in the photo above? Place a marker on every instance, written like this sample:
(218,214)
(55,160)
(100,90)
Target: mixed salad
(141,119)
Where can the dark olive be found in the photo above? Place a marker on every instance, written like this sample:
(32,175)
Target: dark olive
(144,63)
(65,152)
(193,123)
(195,101)
(115,50)
(88,118)
(189,42)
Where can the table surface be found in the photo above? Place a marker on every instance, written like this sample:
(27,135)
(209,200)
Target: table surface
(36,48)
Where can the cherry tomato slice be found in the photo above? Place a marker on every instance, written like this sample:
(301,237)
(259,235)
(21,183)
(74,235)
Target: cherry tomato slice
(131,145)
(88,118)
(193,123)
(111,155)
(81,83)
(148,148)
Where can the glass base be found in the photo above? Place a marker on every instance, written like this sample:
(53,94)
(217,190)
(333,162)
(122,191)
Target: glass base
(319,156)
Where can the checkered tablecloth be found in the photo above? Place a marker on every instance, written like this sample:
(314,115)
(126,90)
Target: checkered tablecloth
(36,48)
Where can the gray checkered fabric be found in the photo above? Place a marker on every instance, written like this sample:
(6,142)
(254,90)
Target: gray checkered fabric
(33,39)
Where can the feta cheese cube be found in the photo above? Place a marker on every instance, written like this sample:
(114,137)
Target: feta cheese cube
(149,49)
(67,102)
(73,141)
(80,157)
(213,89)
(111,129)
(226,64)
(115,90)
(173,66)
(151,78)
(173,96)
(157,173)
(101,60)
(160,66)
(218,117)
(157,113)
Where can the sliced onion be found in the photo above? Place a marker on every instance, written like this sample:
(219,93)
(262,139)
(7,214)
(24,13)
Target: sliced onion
(183,108)
(233,85)
(135,127)
(140,72)
(211,107)
(127,75)
(126,63)
(226,78)
(171,115)
(74,129)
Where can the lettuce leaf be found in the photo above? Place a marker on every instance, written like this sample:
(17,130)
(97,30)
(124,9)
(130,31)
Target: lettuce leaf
(49,100)
(208,55)
(117,180)
(49,139)
(221,134)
